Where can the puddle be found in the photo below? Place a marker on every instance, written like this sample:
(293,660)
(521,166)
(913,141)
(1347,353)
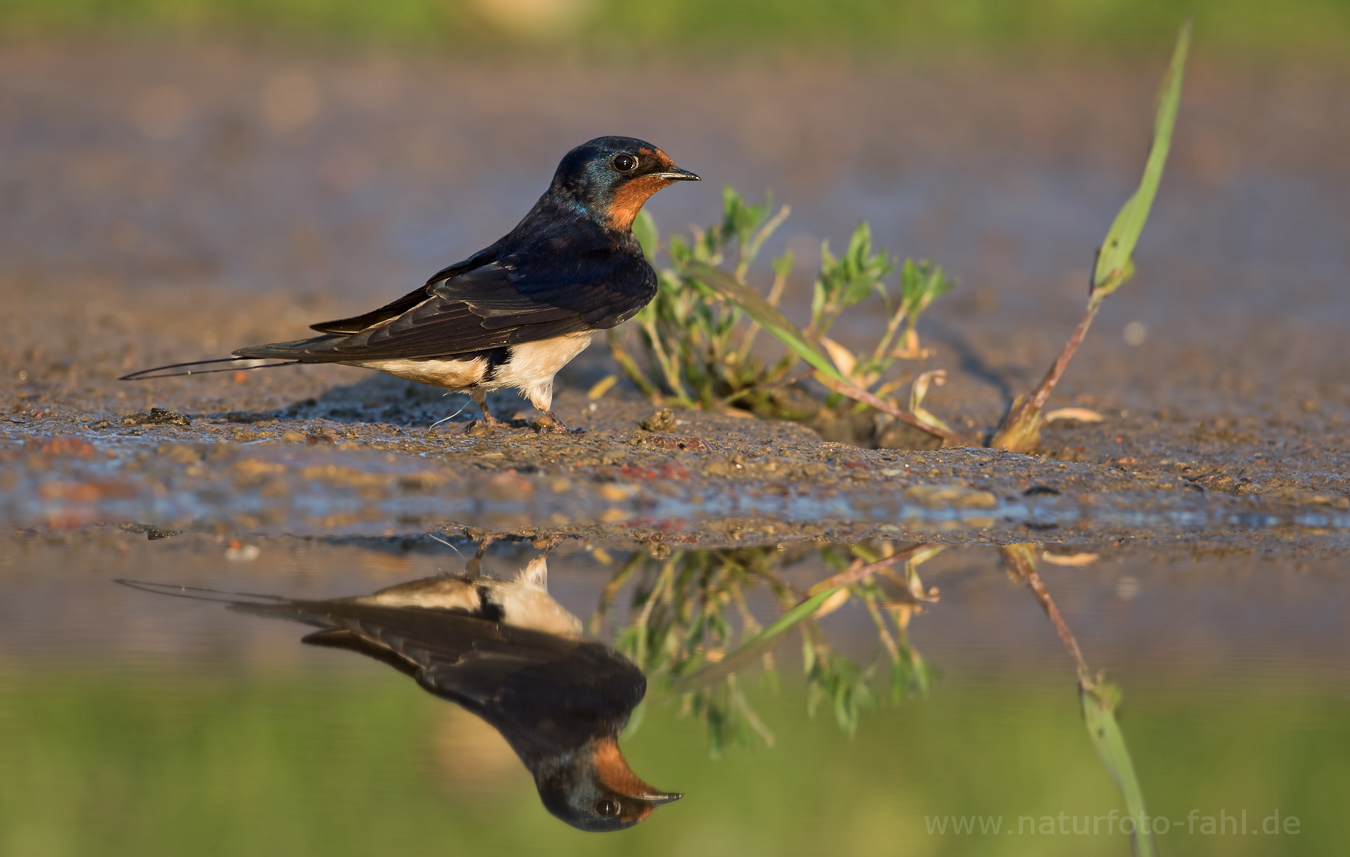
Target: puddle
(916,695)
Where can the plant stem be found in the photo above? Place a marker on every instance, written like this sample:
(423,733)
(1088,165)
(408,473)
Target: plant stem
(949,438)
(631,369)
(1021,560)
(859,570)
(1021,429)
(775,294)
(668,367)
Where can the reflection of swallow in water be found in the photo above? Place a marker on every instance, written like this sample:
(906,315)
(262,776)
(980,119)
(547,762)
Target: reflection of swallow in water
(515,313)
(509,653)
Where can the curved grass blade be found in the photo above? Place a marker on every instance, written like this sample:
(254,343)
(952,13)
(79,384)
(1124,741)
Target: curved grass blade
(1021,428)
(768,316)
(1114,258)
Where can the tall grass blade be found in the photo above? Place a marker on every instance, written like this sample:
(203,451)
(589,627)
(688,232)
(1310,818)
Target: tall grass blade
(1021,428)
(1113,261)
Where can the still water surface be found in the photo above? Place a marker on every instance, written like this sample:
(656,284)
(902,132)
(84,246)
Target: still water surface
(921,697)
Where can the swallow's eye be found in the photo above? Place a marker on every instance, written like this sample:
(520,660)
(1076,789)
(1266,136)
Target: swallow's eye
(608,808)
(625,163)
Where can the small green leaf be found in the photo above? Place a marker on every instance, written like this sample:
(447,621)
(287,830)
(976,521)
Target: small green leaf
(920,285)
(635,720)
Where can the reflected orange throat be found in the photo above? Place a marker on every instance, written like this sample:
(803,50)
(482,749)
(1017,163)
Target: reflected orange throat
(614,772)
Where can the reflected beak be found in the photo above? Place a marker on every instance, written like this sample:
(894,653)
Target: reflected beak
(675,174)
(658,798)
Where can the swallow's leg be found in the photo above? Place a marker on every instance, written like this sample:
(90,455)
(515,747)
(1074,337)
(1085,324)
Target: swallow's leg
(480,398)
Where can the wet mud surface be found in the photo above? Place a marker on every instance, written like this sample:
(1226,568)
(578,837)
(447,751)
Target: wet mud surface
(167,205)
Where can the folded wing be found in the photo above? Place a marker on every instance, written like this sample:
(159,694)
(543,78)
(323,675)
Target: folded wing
(493,306)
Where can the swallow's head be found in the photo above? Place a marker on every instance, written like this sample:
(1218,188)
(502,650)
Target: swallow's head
(611,177)
(595,790)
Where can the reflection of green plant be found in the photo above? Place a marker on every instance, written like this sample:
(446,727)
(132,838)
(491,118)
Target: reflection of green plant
(697,335)
(679,623)
(680,634)
(891,598)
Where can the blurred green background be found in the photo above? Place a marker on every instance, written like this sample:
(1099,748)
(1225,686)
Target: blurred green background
(135,762)
(1304,28)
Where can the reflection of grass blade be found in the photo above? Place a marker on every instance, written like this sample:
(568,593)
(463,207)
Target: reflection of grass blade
(1099,715)
(1114,258)
(755,646)
(1097,700)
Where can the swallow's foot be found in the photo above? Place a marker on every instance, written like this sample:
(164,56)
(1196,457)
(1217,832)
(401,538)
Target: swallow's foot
(547,543)
(552,425)
(474,567)
(480,399)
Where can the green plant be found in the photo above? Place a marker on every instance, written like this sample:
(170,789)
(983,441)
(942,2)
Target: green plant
(695,347)
(696,338)
(689,332)
(678,623)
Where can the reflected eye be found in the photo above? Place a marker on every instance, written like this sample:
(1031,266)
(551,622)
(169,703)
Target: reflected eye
(607,808)
(625,163)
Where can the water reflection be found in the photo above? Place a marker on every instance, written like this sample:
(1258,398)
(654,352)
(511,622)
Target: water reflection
(700,628)
(508,652)
(680,635)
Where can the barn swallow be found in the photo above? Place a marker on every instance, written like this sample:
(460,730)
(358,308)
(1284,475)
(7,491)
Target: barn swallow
(509,653)
(512,314)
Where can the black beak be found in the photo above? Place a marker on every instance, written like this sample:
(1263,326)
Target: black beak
(675,174)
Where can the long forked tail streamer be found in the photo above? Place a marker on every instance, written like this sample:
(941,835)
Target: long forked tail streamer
(162,371)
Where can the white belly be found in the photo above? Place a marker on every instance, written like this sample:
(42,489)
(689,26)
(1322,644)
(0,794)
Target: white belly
(531,368)
(455,375)
(533,365)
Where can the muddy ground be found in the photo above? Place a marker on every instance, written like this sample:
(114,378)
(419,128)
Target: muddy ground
(173,203)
